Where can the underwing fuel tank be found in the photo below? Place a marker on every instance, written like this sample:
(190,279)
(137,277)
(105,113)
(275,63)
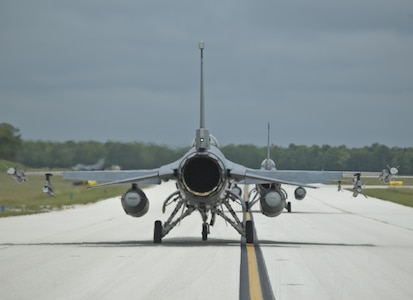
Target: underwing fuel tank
(300,193)
(272,203)
(134,202)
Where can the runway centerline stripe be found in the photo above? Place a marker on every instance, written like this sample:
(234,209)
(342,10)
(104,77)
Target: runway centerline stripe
(253,275)
(254,281)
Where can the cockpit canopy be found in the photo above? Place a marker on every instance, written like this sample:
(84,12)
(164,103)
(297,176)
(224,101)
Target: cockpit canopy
(268,164)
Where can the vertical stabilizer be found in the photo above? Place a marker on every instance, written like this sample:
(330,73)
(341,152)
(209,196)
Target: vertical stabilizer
(268,163)
(202,134)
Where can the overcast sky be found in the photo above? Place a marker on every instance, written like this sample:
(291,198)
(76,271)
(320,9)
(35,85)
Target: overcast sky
(320,72)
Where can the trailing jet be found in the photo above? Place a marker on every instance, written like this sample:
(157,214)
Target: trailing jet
(97,166)
(388,174)
(18,174)
(265,189)
(385,176)
(205,184)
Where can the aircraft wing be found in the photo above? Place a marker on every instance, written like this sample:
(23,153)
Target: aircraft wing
(350,174)
(152,176)
(42,173)
(115,177)
(291,177)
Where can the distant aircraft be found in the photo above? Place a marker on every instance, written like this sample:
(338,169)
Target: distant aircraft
(205,182)
(357,188)
(265,189)
(97,166)
(20,176)
(17,174)
(385,176)
(48,186)
(388,173)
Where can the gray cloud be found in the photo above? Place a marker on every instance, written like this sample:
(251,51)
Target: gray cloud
(320,72)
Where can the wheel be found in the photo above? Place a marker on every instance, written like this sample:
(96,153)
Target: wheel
(157,233)
(289,206)
(249,232)
(247,205)
(205,232)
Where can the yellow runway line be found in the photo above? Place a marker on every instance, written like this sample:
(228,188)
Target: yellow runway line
(253,275)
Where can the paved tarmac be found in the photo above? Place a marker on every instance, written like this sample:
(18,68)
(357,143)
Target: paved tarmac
(332,246)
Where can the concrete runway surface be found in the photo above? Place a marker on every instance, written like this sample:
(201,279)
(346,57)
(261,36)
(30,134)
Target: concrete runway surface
(332,246)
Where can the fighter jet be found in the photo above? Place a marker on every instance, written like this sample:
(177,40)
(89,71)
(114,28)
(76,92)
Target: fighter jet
(97,166)
(18,174)
(204,178)
(357,188)
(48,186)
(265,189)
(388,173)
(204,184)
(385,176)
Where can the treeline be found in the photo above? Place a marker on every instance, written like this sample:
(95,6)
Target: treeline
(138,155)
(38,154)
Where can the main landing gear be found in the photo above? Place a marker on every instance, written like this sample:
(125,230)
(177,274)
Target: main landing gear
(288,206)
(223,209)
(249,232)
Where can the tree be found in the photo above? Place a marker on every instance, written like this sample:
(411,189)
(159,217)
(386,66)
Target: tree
(10,141)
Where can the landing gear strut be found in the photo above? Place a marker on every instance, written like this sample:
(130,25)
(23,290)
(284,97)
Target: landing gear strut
(288,206)
(184,208)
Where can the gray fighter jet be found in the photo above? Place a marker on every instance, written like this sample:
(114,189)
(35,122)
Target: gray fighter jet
(263,190)
(204,180)
(95,167)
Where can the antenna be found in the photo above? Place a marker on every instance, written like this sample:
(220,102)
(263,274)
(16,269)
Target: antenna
(268,141)
(202,134)
(202,112)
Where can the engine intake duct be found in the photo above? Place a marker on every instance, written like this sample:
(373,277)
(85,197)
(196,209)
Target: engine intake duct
(202,175)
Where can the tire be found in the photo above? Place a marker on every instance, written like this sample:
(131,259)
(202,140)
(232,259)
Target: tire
(205,232)
(289,206)
(249,232)
(157,233)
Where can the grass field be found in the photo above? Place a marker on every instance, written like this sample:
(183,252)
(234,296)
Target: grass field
(398,195)
(28,198)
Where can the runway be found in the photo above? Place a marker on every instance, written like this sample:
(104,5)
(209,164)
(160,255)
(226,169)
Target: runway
(332,246)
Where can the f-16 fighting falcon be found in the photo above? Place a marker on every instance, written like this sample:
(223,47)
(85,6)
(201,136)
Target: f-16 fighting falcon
(205,182)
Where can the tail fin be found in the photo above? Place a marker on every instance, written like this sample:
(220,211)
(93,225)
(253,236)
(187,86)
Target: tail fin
(268,163)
